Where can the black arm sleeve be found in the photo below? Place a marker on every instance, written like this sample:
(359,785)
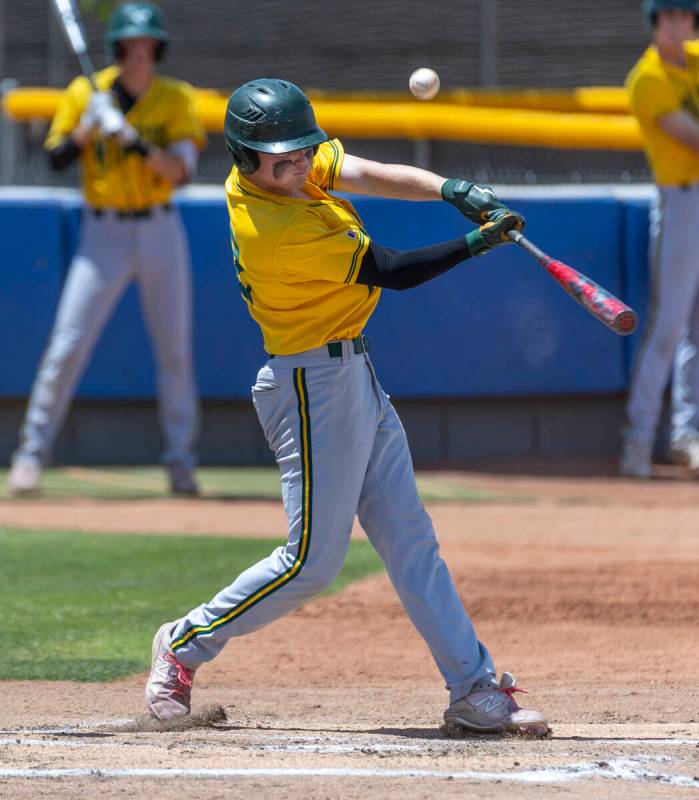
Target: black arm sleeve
(404,269)
(64,155)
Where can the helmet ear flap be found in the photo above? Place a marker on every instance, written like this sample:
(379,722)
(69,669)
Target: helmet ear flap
(244,158)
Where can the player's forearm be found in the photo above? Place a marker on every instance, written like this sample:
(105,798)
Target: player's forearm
(682,127)
(399,181)
(170,167)
(405,269)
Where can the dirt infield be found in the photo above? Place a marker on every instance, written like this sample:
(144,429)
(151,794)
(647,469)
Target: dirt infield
(585,587)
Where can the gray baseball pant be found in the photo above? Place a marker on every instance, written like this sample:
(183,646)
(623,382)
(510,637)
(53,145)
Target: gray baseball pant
(112,253)
(672,333)
(342,452)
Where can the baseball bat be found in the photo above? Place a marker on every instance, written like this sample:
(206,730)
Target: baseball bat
(69,17)
(603,305)
(72,27)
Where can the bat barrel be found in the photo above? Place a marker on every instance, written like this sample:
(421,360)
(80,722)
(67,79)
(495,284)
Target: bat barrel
(598,301)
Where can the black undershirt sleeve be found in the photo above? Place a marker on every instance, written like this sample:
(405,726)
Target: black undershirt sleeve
(64,154)
(404,269)
(126,101)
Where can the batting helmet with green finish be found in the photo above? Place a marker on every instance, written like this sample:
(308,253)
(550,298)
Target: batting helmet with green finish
(133,21)
(268,115)
(652,7)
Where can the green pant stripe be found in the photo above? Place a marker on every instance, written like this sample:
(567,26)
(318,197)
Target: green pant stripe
(271,586)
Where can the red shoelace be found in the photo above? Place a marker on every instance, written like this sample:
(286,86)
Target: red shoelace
(510,691)
(184,675)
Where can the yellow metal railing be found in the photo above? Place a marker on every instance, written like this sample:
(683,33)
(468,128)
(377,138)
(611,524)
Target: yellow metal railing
(594,118)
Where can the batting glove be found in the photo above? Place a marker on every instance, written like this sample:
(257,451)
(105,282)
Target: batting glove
(494,232)
(127,134)
(474,202)
(99,102)
(110,121)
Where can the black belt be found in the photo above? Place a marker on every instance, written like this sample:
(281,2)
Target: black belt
(359,345)
(139,213)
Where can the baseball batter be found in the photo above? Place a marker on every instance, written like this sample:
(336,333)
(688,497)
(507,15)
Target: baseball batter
(664,94)
(137,138)
(311,276)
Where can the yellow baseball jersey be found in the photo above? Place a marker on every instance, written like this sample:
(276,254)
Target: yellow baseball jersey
(297,259)
(656,88)
(111,178)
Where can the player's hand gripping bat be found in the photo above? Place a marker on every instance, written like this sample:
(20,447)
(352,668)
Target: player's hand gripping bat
(592,297)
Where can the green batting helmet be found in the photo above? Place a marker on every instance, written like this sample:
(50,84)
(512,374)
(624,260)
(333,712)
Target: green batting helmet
(652,7)
(132,21)
(268,115)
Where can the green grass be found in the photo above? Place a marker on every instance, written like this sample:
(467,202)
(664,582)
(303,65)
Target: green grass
(80,606)
(228,483)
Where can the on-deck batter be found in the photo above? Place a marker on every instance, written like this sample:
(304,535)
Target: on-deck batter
(136,138)
(311,277)
(664,94)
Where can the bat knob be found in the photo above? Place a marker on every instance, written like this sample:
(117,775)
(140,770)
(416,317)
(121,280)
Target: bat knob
(626,323)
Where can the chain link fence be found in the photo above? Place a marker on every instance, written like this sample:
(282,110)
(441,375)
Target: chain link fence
(334,45)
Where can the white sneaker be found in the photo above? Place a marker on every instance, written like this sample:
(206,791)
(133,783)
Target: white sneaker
(169,687)
(635,459)
(491,708)
(685,451)
(24,478)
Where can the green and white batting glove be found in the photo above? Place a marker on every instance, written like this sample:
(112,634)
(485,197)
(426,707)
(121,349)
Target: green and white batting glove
(494,232)
(474,202)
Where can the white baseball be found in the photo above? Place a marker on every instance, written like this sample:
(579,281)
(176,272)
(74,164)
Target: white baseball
(424,83)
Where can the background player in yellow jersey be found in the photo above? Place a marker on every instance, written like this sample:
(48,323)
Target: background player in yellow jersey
(137,138)
(664,94)
(312,276)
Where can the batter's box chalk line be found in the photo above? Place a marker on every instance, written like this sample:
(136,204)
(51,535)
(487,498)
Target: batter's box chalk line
(620,769)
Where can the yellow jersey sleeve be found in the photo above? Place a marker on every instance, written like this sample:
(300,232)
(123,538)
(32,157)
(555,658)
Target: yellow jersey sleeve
(73,102)
(310,250)
(184,122)
(651,97)
(327,163)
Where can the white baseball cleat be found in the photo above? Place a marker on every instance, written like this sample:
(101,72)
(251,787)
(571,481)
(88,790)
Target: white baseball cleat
(24,478)
(169,686)
(491,708)
(685,451)
(636,459)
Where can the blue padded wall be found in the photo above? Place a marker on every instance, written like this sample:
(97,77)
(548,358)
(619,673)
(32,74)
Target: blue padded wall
(30,284)
(498,325)
(494,326)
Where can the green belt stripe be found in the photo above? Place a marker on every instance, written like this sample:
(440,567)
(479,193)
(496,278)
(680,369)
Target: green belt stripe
(306,518)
